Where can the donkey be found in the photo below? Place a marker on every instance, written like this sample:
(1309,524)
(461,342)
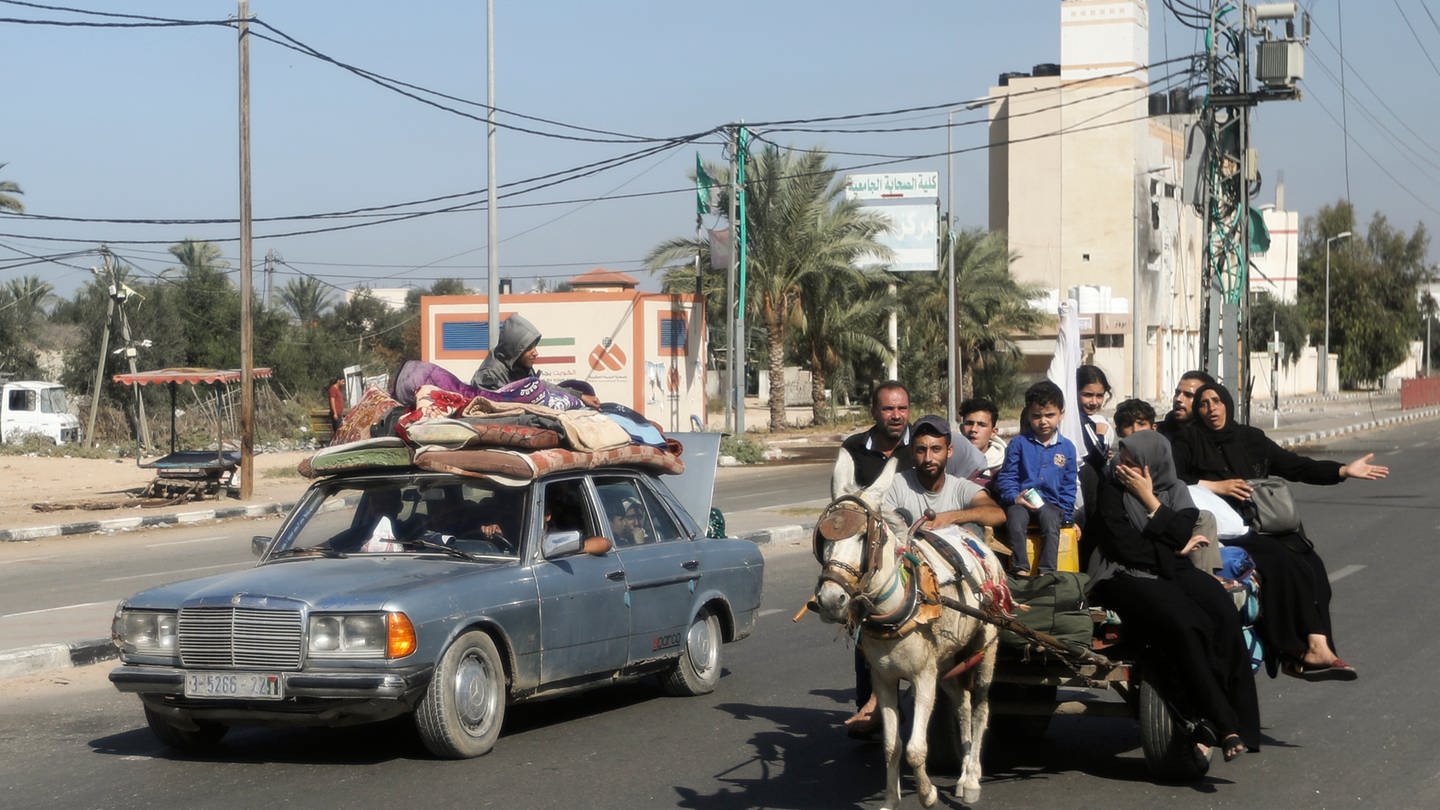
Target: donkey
(910,626)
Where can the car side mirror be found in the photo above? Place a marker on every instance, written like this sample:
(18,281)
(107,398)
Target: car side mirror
(561,544)
(258,544)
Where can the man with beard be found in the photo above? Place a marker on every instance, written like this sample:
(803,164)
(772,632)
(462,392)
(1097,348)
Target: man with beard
(1182,406)
(953,500)
(864,455)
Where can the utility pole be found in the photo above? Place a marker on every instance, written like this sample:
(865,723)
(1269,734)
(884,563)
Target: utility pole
(730,349)
(954,365)
(492,213)
(742,247)
(119,293)
(270,258)
(1228,173)
(100,364)
(247,291)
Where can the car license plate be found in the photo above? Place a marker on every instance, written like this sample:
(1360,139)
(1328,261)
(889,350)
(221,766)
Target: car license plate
(241,685)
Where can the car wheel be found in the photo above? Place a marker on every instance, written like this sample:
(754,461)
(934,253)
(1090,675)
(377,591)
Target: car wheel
(204,737)
(1169,752)
(464,706)
(697,670)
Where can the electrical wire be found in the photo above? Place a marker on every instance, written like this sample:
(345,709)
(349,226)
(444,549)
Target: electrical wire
(1416,35)
(290,42)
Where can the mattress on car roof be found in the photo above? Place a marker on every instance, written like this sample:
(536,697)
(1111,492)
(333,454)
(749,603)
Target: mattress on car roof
(527,466)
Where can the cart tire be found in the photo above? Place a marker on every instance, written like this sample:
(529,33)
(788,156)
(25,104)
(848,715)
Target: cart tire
(204,737)
(1170,754)
(464,706)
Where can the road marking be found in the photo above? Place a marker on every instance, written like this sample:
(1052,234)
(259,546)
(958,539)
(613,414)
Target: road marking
(770,612)
(1339,574)
(30,559)
(180,571)
(187,542)
(50,610)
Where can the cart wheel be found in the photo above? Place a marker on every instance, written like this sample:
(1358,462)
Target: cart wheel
(1170,754)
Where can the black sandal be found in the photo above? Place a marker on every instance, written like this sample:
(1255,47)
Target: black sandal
(1232,746)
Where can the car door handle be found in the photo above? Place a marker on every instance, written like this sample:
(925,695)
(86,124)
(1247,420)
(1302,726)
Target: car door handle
(690,565)
(615,575)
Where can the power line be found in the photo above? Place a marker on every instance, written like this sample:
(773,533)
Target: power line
(290,42)
(775,125)
(1416,35)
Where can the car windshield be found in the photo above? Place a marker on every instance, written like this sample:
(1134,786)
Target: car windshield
(52,400)
(409,515)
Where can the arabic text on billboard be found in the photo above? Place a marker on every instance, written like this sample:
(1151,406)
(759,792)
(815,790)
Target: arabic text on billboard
(909,203)
(910,185)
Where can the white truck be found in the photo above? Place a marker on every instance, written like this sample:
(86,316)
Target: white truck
(28,407)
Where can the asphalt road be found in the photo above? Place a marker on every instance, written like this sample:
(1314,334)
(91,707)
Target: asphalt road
(768,736)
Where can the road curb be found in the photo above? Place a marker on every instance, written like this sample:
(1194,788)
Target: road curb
(778,534)
(145,521)
(1330,433)
(51,657)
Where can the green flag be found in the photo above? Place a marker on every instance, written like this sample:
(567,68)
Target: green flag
(705,186)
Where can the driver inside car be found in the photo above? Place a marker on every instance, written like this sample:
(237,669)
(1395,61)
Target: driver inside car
(383,505)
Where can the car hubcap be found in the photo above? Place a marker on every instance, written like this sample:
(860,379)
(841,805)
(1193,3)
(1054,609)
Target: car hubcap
(474,693)
(701,645)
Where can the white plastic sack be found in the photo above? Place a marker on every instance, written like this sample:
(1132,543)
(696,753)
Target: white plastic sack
(1228,524)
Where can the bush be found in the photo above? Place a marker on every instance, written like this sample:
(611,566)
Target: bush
(42,446)
(743,450)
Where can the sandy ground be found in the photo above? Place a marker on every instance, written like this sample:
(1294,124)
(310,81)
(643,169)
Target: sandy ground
(27,480)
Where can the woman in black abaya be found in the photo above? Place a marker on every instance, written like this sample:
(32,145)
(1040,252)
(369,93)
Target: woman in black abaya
(1145,524)
(1221,455)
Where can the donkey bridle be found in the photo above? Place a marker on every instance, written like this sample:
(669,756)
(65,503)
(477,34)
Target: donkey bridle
(842,518)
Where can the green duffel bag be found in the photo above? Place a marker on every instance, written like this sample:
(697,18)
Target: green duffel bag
(1056,604)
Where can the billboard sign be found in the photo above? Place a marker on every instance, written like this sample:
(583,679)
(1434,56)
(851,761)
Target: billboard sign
(910,203)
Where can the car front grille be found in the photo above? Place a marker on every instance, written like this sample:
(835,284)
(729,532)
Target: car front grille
(239,638)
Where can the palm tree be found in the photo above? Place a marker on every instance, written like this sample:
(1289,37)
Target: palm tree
(991,308)
(197,256)
(798,226)
(838,325)
(29,295)
(306,297)
(8,190)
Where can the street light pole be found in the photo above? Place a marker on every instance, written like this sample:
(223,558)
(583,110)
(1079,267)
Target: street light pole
(1325,358)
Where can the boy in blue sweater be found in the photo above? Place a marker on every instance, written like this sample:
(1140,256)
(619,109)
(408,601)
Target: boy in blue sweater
(1038,479)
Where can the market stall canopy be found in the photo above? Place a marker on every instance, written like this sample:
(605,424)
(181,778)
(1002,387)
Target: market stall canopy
(193,376)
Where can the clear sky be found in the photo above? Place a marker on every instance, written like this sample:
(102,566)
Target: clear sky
(141,123)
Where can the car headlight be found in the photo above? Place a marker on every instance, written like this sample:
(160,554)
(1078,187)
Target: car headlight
(361,635)
(144,632)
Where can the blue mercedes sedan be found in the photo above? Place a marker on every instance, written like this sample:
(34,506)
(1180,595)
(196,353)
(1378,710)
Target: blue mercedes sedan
(393,589)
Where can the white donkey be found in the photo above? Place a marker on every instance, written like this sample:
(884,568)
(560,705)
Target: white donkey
(905,597)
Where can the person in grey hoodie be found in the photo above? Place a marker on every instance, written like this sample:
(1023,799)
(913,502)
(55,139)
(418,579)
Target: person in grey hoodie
(514,355)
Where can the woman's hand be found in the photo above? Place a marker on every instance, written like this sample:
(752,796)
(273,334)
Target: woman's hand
(1362,468)
(1137,480)
(1231,487)
(1198,541)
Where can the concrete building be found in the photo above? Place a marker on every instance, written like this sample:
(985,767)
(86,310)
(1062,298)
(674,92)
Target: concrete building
(1277,270)
(1085,174)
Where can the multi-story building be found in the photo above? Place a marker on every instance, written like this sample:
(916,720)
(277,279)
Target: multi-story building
(1086,165)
